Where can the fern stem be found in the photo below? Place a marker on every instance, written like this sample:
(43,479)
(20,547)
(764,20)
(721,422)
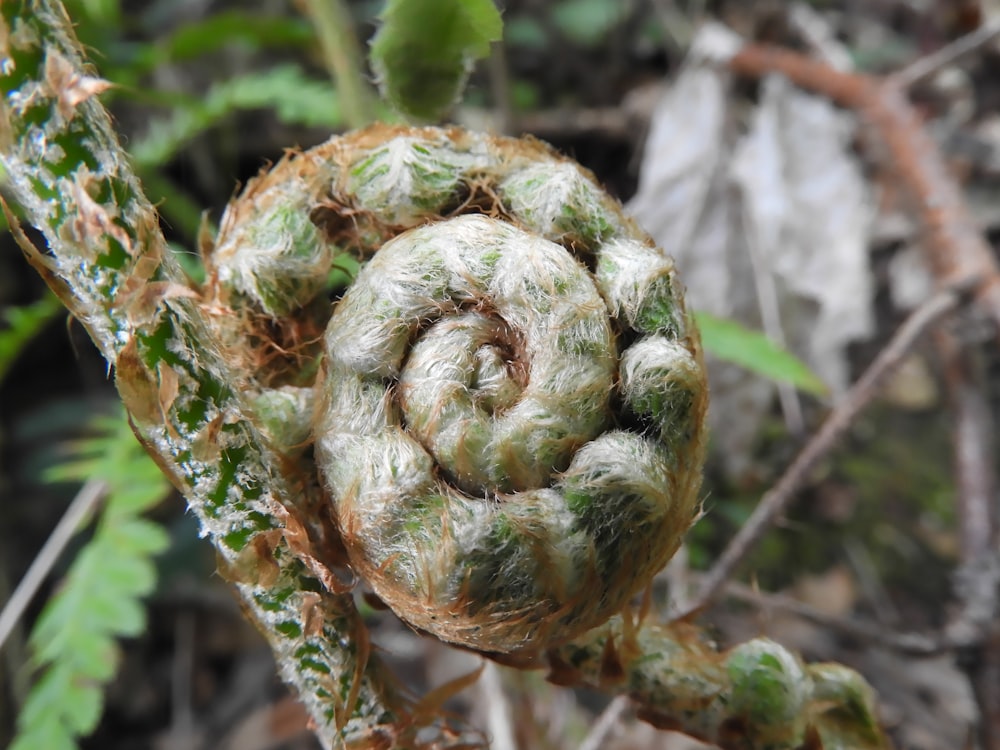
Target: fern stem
(108,262)
(756,695)
(335,30)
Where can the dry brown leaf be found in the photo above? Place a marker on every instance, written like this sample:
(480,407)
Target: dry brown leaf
(68,87)
(137,386)
(297,536)
(91,224)
(768,225)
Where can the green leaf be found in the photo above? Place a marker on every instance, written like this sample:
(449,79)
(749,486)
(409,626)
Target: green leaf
(588,22)
(731,342)
(51,735)
(295,99)
(424,50)
(73,640)
(195,39)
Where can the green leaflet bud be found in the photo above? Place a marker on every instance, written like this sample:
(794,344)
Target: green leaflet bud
(769,690)
(278,259)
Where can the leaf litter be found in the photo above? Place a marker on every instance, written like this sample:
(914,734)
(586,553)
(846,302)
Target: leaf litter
(768,214)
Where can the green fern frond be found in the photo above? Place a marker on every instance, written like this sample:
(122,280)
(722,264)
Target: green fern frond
(250,29)
(295,98)
(73,641)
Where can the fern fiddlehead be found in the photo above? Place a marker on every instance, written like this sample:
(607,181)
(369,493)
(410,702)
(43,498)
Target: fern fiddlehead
(510,417)
(224,390)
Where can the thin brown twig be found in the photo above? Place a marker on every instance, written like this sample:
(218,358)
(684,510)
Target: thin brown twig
(974,472)
(860,394)
(960,258)
(930,64)
(85,501)
(914,644)
(605,724)
(958,252)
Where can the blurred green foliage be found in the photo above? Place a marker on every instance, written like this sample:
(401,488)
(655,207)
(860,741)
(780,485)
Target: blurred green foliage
(73,641)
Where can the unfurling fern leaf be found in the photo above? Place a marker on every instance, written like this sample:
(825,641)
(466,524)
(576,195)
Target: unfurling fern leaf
(74,640)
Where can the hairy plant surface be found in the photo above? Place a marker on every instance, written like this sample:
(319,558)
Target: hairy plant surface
(499,424)
(511,441)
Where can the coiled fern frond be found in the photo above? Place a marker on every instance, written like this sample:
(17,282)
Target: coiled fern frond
(510,417)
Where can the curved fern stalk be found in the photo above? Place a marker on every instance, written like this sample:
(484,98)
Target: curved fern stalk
(109,264)
(510,417)
(757,695)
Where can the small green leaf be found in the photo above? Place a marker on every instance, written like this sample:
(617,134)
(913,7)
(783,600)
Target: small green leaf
(731,342)
(588,22)
(424,49)
(51,735)
(73,640)
(144,537)
(256,31)
(295,98)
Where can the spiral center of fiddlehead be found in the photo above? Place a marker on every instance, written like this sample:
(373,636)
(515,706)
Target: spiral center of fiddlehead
(458,377)
(509,418)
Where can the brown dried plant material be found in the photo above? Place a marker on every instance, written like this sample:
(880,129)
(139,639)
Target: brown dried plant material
(67,86)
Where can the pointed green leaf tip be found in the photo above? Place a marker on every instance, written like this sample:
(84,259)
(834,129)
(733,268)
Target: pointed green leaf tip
(424,49)
(731,342)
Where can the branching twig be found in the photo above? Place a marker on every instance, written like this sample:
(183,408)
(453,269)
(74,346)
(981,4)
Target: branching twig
(959,254)
(915,644)
(950,53)
(861,393)
(960,258)
(610,718)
